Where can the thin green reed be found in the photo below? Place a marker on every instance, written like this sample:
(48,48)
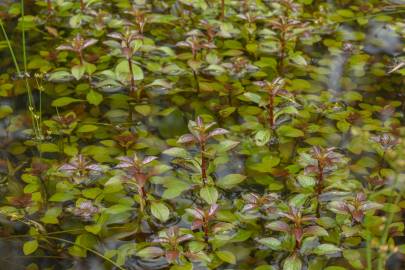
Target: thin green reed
(9,46)
(31,105)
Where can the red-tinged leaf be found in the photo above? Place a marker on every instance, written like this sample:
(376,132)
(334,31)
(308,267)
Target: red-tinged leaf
(197,224)
(311,169)
(65,48)
(123,165)
(209,46)
(172,255)
(217,132)
(115,35)
(251,198)
(183,44)
(94,167)
(199,122)
(370,206)
(173,232)
(315,231)
(358,215)
(89,42)
(196,213)
(221,226)
(339,207)
(249,207)
(213,209)
(184,238)
(150,252)
(160,240)
(279,226)
(149,159)
(298,233)
(67,167)
(186,138)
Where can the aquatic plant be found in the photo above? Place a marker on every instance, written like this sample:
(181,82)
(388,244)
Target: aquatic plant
(201,134)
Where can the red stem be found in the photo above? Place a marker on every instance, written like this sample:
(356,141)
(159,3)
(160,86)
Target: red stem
(271,108)
(282,53)
(206,233)
(132,89)
(319,188)
(49,6)
(81,58)
(222,10)
(203,164)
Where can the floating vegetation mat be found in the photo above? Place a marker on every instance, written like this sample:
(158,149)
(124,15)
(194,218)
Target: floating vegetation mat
(202,134)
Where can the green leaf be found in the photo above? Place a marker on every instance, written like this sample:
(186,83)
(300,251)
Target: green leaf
(118,209)
(61,197)
(253,97)
(63,101)
(292,263)
(288,131)
(60,76)
(150,252)
(94,229)
(262,137)
(160,211)
(226,256)
(230,181)
(209,194)
(306,181)
(94,97)
(48,148)
(298,59)
(174,189)
(78,71)
(177,152)
(51,215)
(145,110)
(123,74)
(5,110)
(271,242)
(325,249)
(87,128)
(30,247)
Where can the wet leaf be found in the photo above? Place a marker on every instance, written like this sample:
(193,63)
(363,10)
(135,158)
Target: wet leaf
(160,211)
(209,194)
(226,256)
(30,247)
(230,181)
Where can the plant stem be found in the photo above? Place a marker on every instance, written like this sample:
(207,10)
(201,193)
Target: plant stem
(271,108)
(206,233)
(197,83)
(369,252)
(82,6)
(280,67)
(203,164)
(384,236)
(132,88)
(222,10)
(31,105)
(10,47)
(319,189)
(49,4)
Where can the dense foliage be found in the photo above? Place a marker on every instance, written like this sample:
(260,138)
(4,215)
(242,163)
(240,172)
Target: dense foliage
(202,134)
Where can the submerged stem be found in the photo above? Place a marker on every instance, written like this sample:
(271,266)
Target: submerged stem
(203,164)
